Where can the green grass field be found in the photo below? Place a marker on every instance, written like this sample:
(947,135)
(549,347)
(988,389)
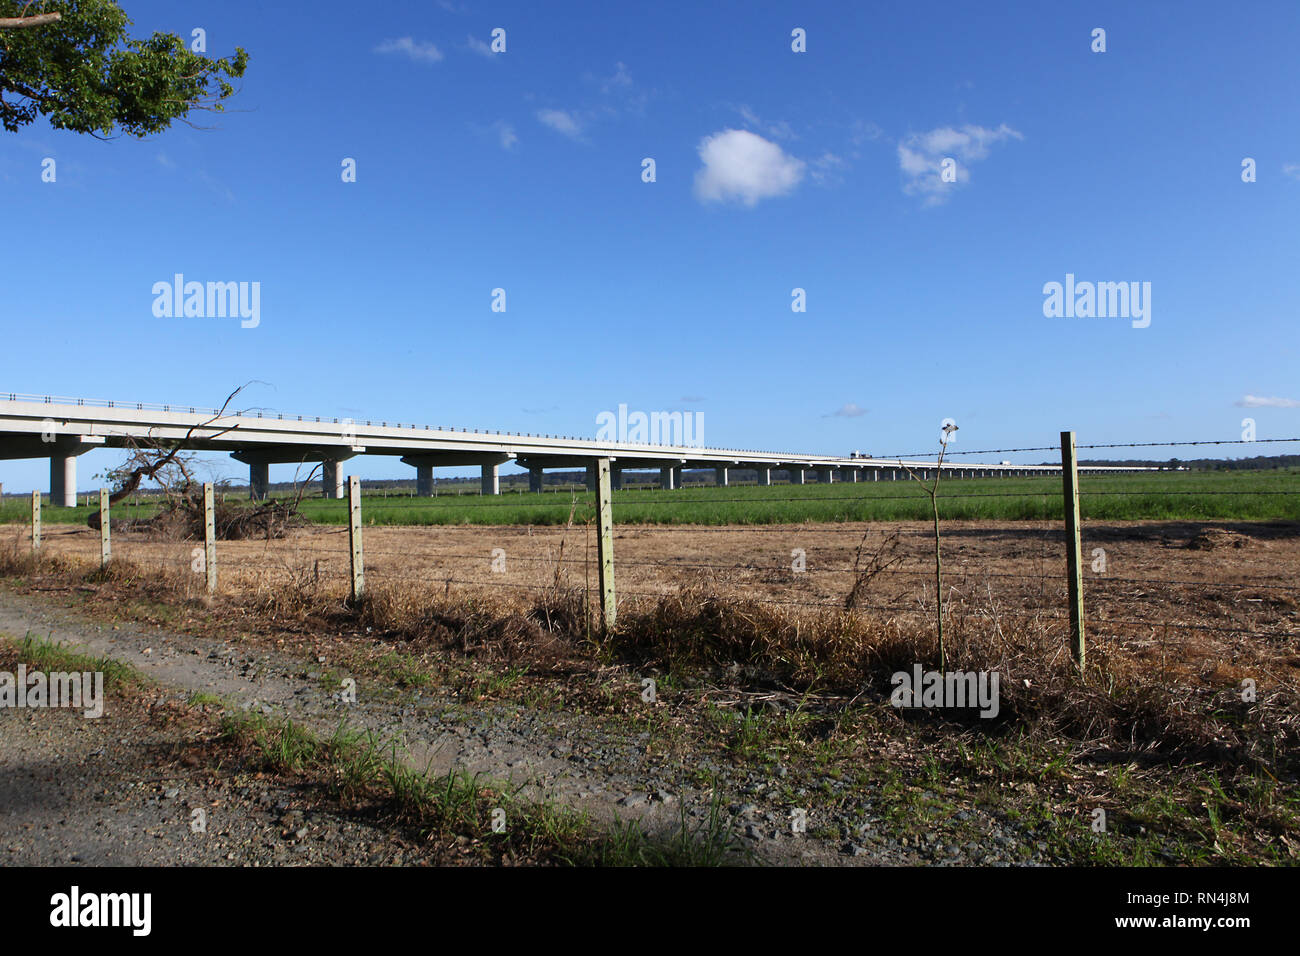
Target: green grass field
(1246,495)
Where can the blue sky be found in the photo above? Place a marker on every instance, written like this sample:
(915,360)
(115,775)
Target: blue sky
(775,170)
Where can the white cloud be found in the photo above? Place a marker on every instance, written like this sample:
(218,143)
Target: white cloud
(561,122)
(849,410)
(777,130)
(861,131)
(826,169)
(421,51)
(1259,401)
(621,79)
(1292,170)
(920,157)
(743,166)
(480,46)
(506,135)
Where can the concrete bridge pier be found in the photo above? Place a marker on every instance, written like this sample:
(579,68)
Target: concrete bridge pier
(63,480)
(424,481)
(535,479)
(331,476)
(615,478)
(489,464)
(259,480)
(63,466)
(668,478)
(331,479)
(826,476)
(720,476)
(591,476)
(796,476)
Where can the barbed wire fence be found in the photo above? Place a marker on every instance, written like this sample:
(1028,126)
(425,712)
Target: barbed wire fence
(1020,568)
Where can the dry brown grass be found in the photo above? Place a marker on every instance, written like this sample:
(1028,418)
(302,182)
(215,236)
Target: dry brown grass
(699,632)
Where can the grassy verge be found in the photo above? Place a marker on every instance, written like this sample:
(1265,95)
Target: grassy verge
(44,654)
(484,822)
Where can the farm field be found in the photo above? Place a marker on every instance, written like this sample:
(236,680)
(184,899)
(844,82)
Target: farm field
(1204,599)
(1272,495)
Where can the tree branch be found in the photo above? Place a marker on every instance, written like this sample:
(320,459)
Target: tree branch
(22,23)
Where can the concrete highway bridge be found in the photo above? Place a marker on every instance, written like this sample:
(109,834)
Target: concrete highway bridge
(42,426)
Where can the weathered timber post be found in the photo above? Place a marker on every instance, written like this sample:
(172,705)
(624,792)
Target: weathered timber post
(210,537)
(105,532)
(354,537)
(605,542)
(1073,544)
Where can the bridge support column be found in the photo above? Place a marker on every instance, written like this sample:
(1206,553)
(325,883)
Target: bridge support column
(63,480)
(535,480)
(796,476)
(615,478)
(853,474)
(424,481)
(63,454)
(763,476)
(667,478)
(720,477)
(826,476)
(491,479)
(591,476)
(331,479)
(677,477)
(259,480)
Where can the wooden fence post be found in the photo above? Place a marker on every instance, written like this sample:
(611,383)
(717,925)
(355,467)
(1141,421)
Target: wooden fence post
(210,536)
(354,537)
(36,521)
(1073,544)
(605,541)
(105,539)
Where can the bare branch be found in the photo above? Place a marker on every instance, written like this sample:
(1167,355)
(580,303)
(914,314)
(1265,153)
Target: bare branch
(22,23)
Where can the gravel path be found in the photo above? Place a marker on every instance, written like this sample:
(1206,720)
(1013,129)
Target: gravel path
(94,791)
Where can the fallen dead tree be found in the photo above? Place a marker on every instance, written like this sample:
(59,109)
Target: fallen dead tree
(180,516)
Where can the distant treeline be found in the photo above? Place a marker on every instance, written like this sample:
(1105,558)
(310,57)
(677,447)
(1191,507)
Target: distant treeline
(1259,463)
